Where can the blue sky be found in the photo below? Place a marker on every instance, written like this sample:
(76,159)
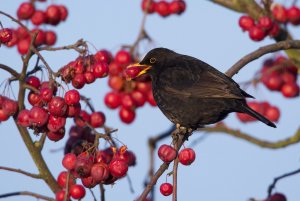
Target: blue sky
(225,168)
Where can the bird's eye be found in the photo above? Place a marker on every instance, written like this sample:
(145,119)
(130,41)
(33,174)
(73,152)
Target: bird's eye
(152,60)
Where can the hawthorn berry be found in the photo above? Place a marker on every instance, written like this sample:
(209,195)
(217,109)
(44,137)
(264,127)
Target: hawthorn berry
(25,11)
(256,33)
(97,119)
(100,172)
(163,8)
(23,118)
(62,179)
(77,191)
(112,100)
(72,97)
(186,156)
(118,168)
(57,106)
(166,153)
(69,161)
(166,189)
(127,115)
(38,116)
(246,22)
(6,35)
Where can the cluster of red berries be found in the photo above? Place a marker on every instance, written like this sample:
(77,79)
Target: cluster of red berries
(167,154)
(8,107)
(126,95)
(86,69)
(286,15)
(96,167)
(49,112)
(280,75)
(269,111)
(276,197)
(53,15)
(76,191)
(260,29)
(164,8)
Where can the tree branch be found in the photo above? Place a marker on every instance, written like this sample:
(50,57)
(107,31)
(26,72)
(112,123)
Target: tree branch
(76,46)
(10,70)
(38,196)
(282,45)
(36,176)
(244,136)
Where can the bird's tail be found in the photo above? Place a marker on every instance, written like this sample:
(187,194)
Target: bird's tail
(246,109)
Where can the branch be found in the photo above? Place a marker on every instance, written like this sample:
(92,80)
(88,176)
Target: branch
(261,143)
(10,70)
(182,137)
(76,46)
(276,179)
(102,192)
(38,196)
(36,176)
(282,45)
(175,171)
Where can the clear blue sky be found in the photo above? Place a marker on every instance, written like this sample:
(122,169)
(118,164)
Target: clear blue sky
(226,168)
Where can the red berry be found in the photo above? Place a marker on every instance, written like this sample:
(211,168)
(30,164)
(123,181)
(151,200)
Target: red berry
(3,115)
(53,14)
(112,100)
(46,94)
(60,195)
(89,77)
(38,18)
(166,189)
(23,46)
(256,33)
(275,30)
(40,38)
(78,81)
(149,5)
(10,107)
(116,82)
(63,12)
(100,172)
(34,99)
(22,33)
(57,106)
(69,161)
(127,101)
(62,179)
(163,8)
(104,156)
(56,136)
(288,77)
(72,97)
(138,98)
(127,115)
(73,110)
(103,56)
(177,7)
(100,69)
(133,71)
(83,166)
(115,69)
(88,182)
(166,153)
(97,119)
(50,38)
(187,156)
(77,191)
(6,35)
(279,13)
(293,14)
(33,81)
(55,123)
(23,118)
(277,197)
(272,113)
(246,22)
(25,11)
(123,57)
(83,117)
(14,39)
(273,81)
(118,168)
(38,116)
(265,23)
(290,90)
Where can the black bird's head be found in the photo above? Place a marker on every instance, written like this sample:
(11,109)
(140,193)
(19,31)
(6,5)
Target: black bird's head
(154,61)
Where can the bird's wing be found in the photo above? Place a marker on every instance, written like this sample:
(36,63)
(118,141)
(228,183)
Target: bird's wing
(194,78)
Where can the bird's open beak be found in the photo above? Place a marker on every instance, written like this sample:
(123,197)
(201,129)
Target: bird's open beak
(136,70)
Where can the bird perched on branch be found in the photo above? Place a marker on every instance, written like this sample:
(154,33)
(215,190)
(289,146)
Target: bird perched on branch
(190,92)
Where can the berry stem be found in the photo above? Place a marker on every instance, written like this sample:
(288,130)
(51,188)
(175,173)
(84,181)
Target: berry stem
(36,176)
(38,196)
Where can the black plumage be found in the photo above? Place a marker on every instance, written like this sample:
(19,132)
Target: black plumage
(192,93)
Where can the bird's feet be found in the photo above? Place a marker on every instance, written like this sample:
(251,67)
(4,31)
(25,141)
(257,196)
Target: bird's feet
(183,129)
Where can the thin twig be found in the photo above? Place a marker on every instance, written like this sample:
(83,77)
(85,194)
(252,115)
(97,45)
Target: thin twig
(76,46)
(102,192)
(276,179)
(38,196)
(93,195)
(36,176)
(10,70)
(175,171)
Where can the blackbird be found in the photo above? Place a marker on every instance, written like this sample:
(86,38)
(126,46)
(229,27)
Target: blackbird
(192,93)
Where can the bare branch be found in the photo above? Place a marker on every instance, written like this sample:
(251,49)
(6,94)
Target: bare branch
(38,196)
(219,128)
(76,46)
(36,176)
(10,70)
(102,192)
(282,45)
